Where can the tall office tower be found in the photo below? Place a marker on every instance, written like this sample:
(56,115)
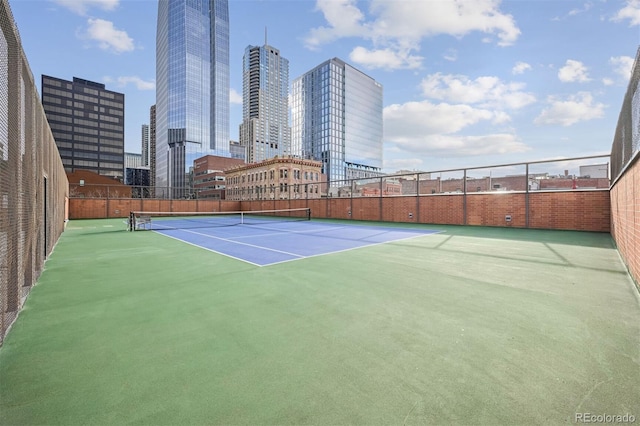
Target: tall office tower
(152,145)
(145,145)
(265,130)
(192,86)
(336,116)
(87,122)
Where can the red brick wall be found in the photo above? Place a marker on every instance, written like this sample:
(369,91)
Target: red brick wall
(99,208)
(398,209)
(365,209)
(442,209)
(625,212)
(492,209)
(571,210)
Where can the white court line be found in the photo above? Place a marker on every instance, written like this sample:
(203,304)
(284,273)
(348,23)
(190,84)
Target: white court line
(278,232)
(211,250)
(242,244)
(356,248)
(296,256)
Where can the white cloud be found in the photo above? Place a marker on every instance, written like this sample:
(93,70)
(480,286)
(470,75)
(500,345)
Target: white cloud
(520,68)
(451,55)
(81,7)
(384,58)
(463,146)
(427,128)
(622,66)
(485,91)
(401,26)
(108,37)
(576,108)
(607,81)
(428,118)
(573,71)
(403,164)
(631,12)
(136,81)
(235,97)
(344,19)
(584,8)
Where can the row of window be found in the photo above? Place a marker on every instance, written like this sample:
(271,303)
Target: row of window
(56,83)
(284,174)
(87,147)
(95,164)
(283,187)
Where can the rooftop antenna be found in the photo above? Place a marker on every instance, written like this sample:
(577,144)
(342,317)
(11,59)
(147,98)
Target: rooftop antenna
(265,36)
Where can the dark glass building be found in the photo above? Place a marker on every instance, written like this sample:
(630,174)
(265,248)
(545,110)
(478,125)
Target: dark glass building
(87,122)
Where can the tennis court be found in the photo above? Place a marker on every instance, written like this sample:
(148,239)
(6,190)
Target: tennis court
(271,237)
(469,325)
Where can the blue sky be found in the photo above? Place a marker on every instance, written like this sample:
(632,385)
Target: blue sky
(466,83)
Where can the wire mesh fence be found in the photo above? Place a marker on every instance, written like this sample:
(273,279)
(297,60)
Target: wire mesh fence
(33,184)
(626,142)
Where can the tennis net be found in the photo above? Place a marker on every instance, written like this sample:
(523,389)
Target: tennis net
(140,220)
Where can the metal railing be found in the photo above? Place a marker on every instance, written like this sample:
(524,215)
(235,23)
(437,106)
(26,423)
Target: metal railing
(569,174)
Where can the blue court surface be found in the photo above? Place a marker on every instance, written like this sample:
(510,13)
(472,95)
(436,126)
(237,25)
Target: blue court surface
(276,242)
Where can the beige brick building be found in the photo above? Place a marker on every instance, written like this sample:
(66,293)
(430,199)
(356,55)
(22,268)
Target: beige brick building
(279,178)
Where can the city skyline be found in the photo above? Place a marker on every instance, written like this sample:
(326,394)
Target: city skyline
(498,83)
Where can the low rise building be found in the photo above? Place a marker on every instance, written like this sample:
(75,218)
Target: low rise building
(209,180)
(278,178)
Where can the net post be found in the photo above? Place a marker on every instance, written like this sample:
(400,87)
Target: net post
(131,220)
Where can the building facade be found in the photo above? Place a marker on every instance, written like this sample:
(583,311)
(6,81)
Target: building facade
(238,151)
(145,144)
(284,178)
(152,145)
(192,86)
(209,179)
(132,160)
(87,122)
(336,118)
(265,130)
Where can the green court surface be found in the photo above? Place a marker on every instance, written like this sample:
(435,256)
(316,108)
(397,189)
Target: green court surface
(469,326)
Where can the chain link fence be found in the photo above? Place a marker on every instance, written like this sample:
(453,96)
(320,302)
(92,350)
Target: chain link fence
(626,142)
(33,184)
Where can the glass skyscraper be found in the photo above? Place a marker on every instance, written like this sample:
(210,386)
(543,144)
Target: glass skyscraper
(336,118)
(265,130)
(192,86)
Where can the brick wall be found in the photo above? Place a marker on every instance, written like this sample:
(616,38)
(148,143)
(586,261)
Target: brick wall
(587,210)
(442,209)
(625,212)
(99,208)
(575,210)
(492,209)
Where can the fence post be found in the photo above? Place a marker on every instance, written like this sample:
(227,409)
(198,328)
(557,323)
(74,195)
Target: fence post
(418,197)
(526,196)
(464,195)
